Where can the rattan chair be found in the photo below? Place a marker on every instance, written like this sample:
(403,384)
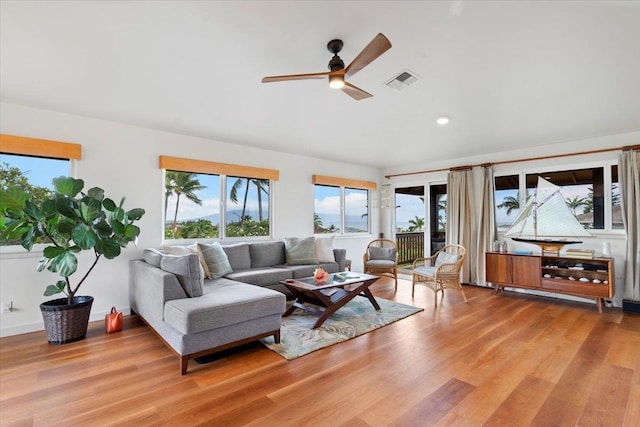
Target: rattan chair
(381,259)
(440,271)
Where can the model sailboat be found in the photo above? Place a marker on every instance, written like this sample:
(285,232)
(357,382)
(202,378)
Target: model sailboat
(546,220)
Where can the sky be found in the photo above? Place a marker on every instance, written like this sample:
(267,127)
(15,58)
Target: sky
(38,170)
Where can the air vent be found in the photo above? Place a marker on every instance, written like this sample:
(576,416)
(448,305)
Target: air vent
(403,80)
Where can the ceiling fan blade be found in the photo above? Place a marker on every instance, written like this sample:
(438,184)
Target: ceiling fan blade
(271,79)
(355,92)
(376,47)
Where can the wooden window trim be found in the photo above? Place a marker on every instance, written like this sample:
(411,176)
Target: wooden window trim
(344,182)
(11,144)
(214,168)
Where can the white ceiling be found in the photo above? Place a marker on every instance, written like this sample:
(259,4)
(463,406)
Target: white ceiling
(509,74)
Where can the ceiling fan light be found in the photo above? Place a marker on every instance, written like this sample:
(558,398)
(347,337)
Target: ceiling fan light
(442,120)
(336,81)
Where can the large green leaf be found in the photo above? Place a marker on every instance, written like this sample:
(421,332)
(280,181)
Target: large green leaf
(84,236)
(118,228)
(109,205)
(67,185)
(44,263)
(55,289)
(65,264)
(66,207)
(52,251)
(118,214)
(135,214)
(28,239)
(103,228)
(91,210)
(32,210)
(13,198)
(131,232)
(49,207)
(96,193)
(108,247)
(66,226)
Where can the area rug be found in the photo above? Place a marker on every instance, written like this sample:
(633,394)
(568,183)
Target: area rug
(357,317)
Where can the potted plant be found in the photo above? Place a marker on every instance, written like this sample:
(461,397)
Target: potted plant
(68,221)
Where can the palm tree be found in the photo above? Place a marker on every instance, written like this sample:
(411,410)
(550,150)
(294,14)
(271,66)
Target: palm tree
(169,186)
(183,183)
(510,203)
(416,224)
(575,203)
(261,184)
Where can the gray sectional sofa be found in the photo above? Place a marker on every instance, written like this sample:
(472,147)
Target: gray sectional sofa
(195,316)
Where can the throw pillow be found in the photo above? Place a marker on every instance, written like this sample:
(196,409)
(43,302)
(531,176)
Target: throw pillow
(152,256)
(196,250)
(324,248)
(188,270)
(300,251)
(216,259)
(388,254)
(176,250)
(445,258)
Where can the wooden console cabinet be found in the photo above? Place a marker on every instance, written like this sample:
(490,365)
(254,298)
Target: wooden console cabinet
(585,277)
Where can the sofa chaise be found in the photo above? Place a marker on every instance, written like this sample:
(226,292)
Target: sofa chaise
(196,316)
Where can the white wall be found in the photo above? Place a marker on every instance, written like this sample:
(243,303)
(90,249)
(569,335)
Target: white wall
(616,238)
(123,160)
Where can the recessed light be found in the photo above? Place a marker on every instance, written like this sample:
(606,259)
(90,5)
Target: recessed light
(442,121)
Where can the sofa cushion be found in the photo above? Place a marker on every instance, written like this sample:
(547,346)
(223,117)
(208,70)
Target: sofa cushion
(260,276)
(302,271)
(426,271)
(196,250)
(186,250)
(301,251)
(188,270)
(238,256)
(152,256)
(446,258)
(267,254)
(229,304)
(382,253)
(176,250)
(216,259)
(324,248)
(380,263)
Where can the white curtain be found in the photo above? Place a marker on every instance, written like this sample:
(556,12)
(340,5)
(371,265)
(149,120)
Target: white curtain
(487,231)
(461,220)
(629,176)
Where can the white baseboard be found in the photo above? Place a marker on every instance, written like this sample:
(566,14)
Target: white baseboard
(39,326)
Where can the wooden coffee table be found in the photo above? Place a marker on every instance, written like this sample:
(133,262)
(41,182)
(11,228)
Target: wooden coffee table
(330,294)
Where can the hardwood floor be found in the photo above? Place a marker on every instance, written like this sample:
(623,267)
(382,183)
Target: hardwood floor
(500,360)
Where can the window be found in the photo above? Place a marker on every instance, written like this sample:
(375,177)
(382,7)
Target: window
(585,191)
(247,207)
(507,199)
(356,210)
(341,205)
(33,163)
(194,208)
(192,205)
(326,217)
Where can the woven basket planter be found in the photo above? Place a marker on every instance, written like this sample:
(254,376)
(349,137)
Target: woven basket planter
(65,322)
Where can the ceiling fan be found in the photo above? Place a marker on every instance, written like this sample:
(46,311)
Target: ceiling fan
(338,73)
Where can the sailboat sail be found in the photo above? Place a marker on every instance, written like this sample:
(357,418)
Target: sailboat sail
(546,216)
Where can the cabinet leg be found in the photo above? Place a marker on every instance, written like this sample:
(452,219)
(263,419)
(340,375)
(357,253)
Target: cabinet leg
(599,303)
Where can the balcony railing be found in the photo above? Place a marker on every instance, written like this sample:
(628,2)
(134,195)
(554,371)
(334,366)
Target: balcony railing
(410,247)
